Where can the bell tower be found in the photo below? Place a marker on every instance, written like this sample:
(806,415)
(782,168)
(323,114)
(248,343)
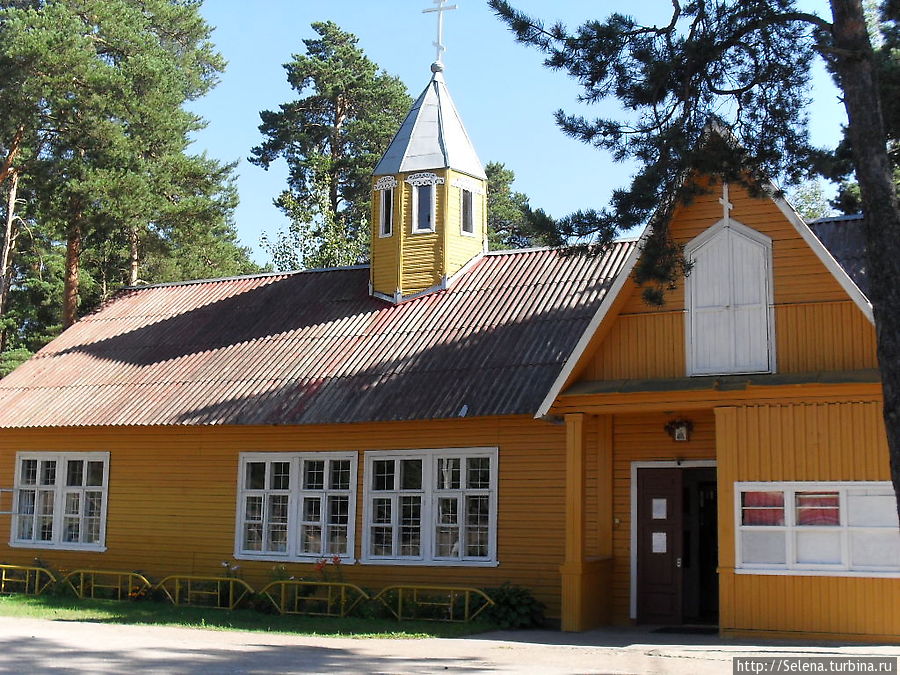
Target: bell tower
(429,208)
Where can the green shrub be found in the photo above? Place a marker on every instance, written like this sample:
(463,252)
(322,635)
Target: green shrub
(514,607)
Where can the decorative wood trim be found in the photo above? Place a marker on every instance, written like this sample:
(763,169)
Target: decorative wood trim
(385,183)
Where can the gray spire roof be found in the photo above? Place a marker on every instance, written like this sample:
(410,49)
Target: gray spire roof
(432,136)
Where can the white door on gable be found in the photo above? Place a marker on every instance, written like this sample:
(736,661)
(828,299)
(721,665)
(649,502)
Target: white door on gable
(728,302)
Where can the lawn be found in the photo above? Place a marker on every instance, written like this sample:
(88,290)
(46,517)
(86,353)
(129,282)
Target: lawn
(146,612)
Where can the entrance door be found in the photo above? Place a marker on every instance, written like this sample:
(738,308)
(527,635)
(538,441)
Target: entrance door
(677,551)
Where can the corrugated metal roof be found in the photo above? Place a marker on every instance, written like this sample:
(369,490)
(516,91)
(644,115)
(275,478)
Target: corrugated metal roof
(314,348)
(845,239)
(431,137)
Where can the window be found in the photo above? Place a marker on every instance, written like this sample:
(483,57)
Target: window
(837,528)
(60,500)
(296,506)
(466,213)
(729,327)
(387,212)
(431,506)
(423,208)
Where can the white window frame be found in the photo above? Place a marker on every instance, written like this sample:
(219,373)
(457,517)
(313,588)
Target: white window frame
(415,209)
(295,493)
(386,194)
(790,529)
(59,502)
(430,495)
(695,245)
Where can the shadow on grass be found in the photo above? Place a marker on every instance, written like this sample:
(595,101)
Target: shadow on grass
(146,612)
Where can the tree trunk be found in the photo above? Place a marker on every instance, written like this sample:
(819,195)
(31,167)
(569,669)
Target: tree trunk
(134,262)
(9,237)
(73,255)
(855,67)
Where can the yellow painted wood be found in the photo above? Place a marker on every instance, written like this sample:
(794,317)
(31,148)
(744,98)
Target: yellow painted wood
(572,568)
(414,262)
(817,326)
(810,442)
(172,497)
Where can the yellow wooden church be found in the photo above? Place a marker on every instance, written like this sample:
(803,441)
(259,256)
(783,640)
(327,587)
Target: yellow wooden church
(453,415)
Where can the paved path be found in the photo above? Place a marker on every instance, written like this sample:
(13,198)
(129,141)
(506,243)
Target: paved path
(38,646)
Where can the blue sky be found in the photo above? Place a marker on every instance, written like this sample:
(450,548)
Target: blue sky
(503,92)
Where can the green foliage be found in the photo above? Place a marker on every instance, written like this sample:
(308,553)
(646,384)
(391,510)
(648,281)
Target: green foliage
(810,200)
(514,607)
(331,138)
(512,223)
(743,66)
(12,359)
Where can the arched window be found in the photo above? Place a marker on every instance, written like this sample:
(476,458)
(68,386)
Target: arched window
(730,326)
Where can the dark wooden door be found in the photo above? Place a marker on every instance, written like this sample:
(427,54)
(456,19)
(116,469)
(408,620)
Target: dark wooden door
(659,546)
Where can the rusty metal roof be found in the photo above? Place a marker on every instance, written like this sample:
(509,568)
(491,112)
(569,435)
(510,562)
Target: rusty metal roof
(313,347)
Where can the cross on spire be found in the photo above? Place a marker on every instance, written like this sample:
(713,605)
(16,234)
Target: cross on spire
(440,9)
(726,204)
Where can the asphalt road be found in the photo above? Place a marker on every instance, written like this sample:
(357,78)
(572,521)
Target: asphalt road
(38,646)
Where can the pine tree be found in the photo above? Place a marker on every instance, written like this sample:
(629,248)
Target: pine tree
(331,137)
(512,222)
(748,63)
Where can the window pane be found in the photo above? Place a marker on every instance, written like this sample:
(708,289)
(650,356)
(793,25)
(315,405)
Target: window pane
(26,501)
(772,498)
(312,509)
(45,528)
(423,214)
(26,528)
(410,530)
(411,474)
(467,222)
(763,547)
(872,508)
(478,519)
(45,503)
(91,531)
(29,472)
(253,510)
(48,473)
(73,504)
(478,473)
(93,502)
(387,200)
(339,510)
(94,474)
(340,474)
(819,548)
(71,530)
(875,549)
(281,476)
(253,537)
(74,473)
(383,474)
(817,508)
(311,539)
(278,508)
(447,531)
(337,539)
(278,538)
(381,541)
(256,476)
(381,510)
(762,517)
(314,475)
(448,475)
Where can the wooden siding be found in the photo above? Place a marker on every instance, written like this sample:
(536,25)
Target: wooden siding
(817,326)
(642,438)
(385,251)
(805,442)
(172,496)
(421,253)
(462,248)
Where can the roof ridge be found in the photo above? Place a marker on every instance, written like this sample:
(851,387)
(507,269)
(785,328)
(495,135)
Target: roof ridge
(837,219)
(241,277)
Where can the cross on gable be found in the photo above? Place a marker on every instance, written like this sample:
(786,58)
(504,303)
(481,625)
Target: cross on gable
(440,9)
(726,205)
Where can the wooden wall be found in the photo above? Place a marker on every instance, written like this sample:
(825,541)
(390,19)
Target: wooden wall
(827,442)
(817,326)
(172,494)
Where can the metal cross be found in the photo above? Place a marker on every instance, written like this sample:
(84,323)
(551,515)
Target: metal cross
(440,9)
(726,205)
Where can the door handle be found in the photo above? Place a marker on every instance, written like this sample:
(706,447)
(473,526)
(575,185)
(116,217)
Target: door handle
(678,562)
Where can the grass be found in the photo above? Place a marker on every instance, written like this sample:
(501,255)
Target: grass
(147,612)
